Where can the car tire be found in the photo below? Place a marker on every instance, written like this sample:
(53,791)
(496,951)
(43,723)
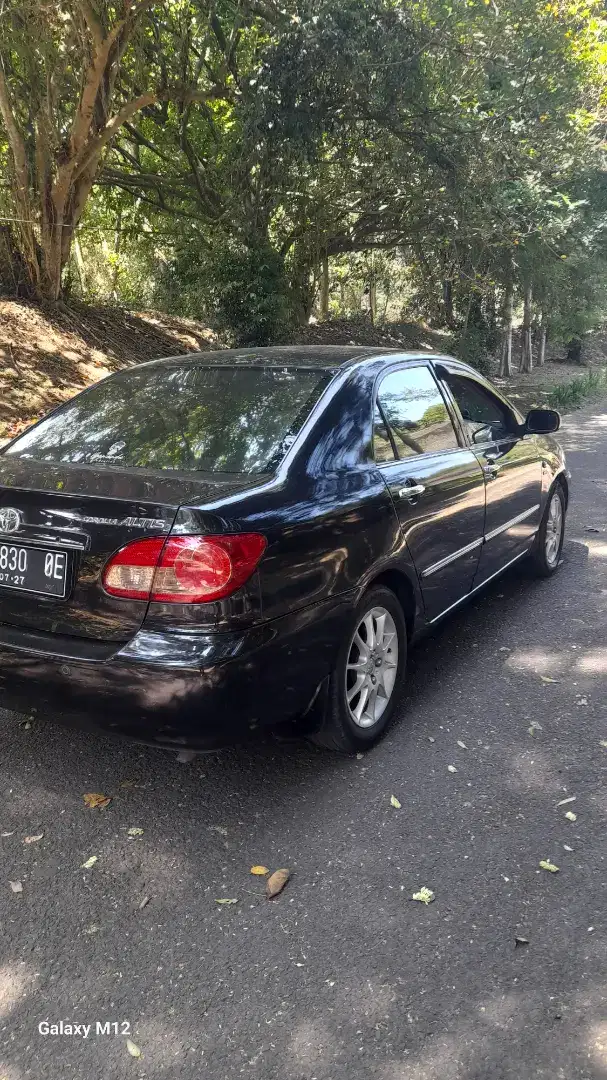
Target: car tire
(365,685)
(546,553)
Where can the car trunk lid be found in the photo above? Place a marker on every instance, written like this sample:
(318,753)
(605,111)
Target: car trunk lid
(87,513)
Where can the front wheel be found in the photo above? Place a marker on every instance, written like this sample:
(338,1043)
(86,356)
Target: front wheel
(365,684)
(546,554)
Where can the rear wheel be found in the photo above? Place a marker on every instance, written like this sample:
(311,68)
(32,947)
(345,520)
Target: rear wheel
(365,684)
(546,554)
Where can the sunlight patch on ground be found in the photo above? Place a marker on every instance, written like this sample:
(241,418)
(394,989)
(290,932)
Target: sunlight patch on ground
(16,981)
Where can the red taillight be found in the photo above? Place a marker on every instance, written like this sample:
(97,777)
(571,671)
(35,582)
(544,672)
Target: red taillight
(183,569)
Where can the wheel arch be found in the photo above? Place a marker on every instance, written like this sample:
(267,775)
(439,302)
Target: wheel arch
(401,585)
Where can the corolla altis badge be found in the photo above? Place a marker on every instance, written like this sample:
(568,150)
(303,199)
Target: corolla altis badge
(10,519)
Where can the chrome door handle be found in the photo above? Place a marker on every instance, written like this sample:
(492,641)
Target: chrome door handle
(411,491)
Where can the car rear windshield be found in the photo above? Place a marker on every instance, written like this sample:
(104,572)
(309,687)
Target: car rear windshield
(194,418)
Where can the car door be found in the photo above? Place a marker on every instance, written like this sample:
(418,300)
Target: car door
(437,485)
(511,464)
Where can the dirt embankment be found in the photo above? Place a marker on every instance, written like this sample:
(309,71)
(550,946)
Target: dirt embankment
(48,355)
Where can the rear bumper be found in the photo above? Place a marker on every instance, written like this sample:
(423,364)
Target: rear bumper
(190,691)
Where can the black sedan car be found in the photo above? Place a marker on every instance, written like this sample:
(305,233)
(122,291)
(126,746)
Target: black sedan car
(207,545)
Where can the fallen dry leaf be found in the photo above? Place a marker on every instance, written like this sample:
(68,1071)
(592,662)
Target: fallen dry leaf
(571,816)
(90,930)
(604,744)
(96,801)
(33,839)
(462,744)
(260,871)
(451,768)
(89,862)
(276,882)
(144,902)
(394,802)
(135,832)
(6,833)
(425,896)
(520,941)
(359,757)
(16,886)
(564,802)
(545,865)
(234,901)
(133,1049)
(545,678)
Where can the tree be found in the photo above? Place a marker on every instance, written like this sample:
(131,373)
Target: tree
(72,74)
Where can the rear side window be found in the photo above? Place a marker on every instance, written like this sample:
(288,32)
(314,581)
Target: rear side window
(484,416)
(411,416)
(194,418)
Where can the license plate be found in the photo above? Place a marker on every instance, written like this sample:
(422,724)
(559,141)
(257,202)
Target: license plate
(34,569)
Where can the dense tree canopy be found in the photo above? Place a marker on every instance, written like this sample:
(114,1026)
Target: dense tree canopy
(245,160)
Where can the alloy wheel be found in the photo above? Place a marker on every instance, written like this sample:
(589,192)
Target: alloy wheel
(554,530)
(371,667)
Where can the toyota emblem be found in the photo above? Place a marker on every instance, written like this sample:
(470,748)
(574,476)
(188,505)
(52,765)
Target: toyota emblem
(10,519)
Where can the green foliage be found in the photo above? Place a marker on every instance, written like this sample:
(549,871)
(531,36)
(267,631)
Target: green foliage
(432,150)
(573,394)
(472,345)
(241,288)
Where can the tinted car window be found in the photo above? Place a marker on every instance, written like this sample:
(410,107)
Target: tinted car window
(414,408)
(190,418)
(479,408)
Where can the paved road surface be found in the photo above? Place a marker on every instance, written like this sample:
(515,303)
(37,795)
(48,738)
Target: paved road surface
(343,977)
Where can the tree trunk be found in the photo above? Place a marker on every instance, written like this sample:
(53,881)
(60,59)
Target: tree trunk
(116,256)
(541,355)
(80,265)
(373,299)
(505,369)
(324,288)
(448,304)
(527,348)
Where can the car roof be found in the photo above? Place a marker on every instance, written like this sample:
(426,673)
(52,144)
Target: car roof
(321,356)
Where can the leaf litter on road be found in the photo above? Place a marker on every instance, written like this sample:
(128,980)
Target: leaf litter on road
(424,896)
(451,768)
(133,1049)
(89,863)
(225,900)
(96,801)
(564,802)
(546,865)
(16,886)
(259,871)
(571,816)
(394,802)
(461,744)
(520,941)
(33,839)
(135,832)
(276,882)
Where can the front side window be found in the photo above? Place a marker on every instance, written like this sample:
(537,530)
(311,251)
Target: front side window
(485,417)
(413,416)
(189,417)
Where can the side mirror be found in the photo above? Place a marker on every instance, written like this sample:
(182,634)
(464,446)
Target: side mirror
(542,421)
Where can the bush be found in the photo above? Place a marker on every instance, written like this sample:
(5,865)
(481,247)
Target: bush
(472,346)
(241,289)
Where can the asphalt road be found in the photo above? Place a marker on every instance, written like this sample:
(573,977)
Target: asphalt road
(343,977)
